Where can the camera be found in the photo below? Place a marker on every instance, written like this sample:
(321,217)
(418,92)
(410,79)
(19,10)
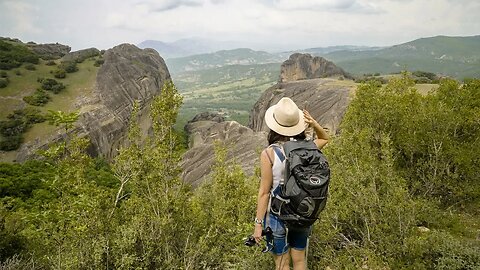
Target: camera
(251,240)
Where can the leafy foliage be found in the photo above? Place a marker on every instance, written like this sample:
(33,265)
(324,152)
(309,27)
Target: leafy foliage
(69,66)
(39,98)
(51,85)
(395,173)
(12,56)
(4,82)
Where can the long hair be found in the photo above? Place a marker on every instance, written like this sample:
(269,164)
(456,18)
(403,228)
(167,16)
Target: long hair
(274,137)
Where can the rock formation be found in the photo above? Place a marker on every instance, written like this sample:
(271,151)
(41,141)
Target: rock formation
(242,143)
(325,99)
(49,51)
(304,66)
(129,74)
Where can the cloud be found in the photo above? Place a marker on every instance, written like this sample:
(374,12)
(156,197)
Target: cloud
(21,16)
(166,5)
(327,5)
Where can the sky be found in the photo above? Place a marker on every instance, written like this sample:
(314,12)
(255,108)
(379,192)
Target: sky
(270,25)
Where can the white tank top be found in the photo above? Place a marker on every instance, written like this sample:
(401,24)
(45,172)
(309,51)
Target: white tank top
(278,168)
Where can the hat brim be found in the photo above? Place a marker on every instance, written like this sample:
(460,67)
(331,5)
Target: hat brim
(283,130)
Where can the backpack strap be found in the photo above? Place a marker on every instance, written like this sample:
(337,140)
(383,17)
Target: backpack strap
(279,151)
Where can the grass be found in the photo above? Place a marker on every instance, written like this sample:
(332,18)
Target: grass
(78,84)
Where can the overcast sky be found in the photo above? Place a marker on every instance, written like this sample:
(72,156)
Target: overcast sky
(261,24)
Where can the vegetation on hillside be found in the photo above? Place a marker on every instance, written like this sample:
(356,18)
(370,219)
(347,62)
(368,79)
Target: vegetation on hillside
(231,90)
(403,195)
(457,57)
(46,87)
(14,55)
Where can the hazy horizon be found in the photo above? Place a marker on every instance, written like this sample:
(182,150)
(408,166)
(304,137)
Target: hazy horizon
(270,25)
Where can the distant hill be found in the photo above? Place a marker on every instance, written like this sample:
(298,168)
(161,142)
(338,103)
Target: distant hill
(186,47)
(458,57)
(241,56)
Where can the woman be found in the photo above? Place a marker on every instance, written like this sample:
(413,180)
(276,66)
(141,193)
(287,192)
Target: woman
(286,122)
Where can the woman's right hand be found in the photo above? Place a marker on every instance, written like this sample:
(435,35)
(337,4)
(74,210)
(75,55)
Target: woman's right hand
(257,233)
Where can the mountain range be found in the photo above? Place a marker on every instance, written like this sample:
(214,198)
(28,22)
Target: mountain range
(457,57)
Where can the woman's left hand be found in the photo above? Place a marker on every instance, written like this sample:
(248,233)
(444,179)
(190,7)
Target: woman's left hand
(257,233)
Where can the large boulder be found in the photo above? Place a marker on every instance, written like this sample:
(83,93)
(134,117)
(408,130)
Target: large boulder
(325,99)
(49,51)
(243,146)
(304,66)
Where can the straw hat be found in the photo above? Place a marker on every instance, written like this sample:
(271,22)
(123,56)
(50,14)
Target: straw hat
(285,118)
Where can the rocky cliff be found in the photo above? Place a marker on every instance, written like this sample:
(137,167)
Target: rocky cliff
(129,74)
(243,145)
(325,99)
(49,51)
(304,66)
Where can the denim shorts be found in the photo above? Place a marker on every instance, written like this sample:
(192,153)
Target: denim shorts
(282,241)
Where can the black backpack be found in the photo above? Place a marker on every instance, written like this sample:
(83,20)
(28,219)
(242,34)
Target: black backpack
(303,195)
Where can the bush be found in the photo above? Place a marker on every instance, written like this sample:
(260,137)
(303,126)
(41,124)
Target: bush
(422,80)
(3,74)
(28,115)
(52,85)
(50,63)
(69,67)
(10,143)
(30,67)
(99,62)
(4,82)
(18,72)
(59,74)
(12,56)
(12,127)
(39,98)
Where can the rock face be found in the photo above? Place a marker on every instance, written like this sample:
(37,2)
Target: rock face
(304,66)
(79,56)
(49,51)
(325,99)
(243,145)
(128,74)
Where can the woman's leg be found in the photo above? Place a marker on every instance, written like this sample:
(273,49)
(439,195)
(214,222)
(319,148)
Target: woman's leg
(282,262)
(298,258)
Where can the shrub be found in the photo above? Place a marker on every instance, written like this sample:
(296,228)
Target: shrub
(99,62)
(4,82)
(50,63)
(52,85)
(69,67)
(3,74)
(12,127)
(12,56)
(422,80)
(29,115)
(18,72)
(39,98)
(59,74)
(30,67)
(10,143)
